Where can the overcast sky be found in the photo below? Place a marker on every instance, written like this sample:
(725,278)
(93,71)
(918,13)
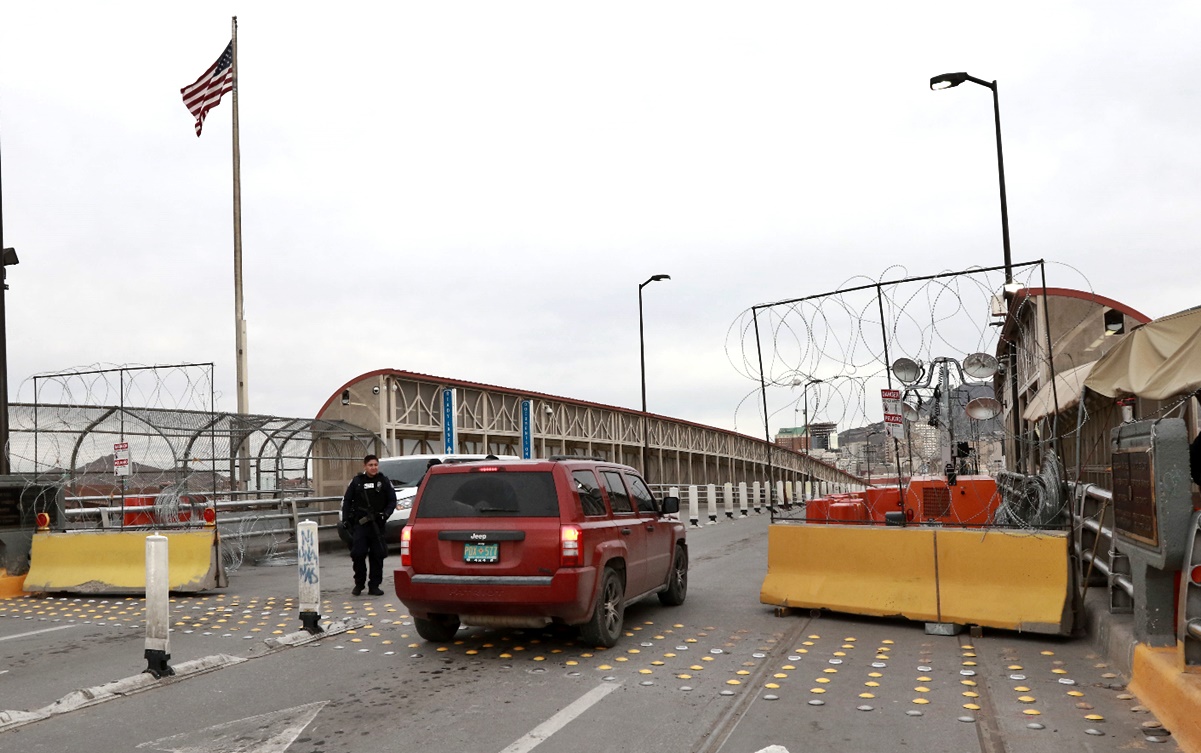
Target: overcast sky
(474,190)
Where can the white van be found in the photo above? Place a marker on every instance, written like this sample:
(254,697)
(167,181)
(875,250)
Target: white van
(405,472)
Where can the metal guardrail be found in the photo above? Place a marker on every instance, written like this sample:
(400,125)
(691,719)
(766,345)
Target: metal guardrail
(1090,557)
(189,511)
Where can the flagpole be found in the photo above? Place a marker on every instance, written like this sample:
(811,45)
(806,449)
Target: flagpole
(239,321)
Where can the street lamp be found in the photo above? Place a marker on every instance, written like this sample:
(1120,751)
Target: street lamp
(642,357)
(8,257)
(867,452)
(948,80)
(805,395)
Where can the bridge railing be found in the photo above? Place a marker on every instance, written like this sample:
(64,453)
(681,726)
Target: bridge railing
(1098,555)
(709,502)
(1093,544)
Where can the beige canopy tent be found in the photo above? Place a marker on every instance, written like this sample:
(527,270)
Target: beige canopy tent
(1069,386)
(1155,361)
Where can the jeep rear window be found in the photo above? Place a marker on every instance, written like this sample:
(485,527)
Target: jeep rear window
(511,494)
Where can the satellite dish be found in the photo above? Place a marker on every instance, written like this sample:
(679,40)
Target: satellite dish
(907,370)
(908,412)
(983,408)
(980,366)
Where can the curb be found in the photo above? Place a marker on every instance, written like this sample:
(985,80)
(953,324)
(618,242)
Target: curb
(81,699)
(1174,696)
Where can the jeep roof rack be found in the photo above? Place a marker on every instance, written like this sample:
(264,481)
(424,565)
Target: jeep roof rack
(578,457)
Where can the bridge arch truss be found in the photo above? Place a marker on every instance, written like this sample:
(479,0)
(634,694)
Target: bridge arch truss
(405,409)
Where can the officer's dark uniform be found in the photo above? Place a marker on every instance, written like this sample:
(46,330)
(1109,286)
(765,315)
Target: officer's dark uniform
(367,504)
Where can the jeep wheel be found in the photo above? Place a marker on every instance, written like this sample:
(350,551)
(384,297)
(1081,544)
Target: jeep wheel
(439,628)
(677,580)
(605,626)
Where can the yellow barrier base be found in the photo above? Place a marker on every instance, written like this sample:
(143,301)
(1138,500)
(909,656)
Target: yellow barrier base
(856,569)
(115,562)
(1015,580)
(1173,696)
(11,586)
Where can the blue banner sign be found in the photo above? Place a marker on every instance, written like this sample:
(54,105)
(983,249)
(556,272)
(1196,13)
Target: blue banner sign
(527,429)
(450,413)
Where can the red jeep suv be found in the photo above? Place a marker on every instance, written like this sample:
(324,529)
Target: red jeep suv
(527,543)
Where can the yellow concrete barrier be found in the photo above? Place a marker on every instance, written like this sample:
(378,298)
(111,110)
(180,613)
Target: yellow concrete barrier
(115,561)
(11,585)
(1172,695)
(1014,580)
(1017,580)
(857,569)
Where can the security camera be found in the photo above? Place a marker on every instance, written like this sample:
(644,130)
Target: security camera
(375,390)
(346,397)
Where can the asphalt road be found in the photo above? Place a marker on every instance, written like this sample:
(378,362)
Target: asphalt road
(720,674)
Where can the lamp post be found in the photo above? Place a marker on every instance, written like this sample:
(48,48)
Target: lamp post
(8,257)
(946,81)
(867,452)
(642,358)
(804,385)
(808,432)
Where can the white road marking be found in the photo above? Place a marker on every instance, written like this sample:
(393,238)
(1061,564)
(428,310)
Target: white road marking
(773,749)
(35,632)
(560,720)
(272,732)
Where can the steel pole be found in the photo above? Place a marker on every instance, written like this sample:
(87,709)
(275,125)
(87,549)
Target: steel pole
(4,467)
(996,109)
(642,362)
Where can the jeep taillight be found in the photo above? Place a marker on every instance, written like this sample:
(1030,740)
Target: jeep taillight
(406,559)
(569,550)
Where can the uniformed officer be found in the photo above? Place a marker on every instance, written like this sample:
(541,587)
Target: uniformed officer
(369,501)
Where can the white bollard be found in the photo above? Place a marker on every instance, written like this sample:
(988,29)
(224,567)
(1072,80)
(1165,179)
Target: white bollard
(308,568)
(779,493)
(742,497)
(808,490)
(727,493)
(694,508)
(798,494)
(158,617)
(787,496)
(711,502)
(755,496)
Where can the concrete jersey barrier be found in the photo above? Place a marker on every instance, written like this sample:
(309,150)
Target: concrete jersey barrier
(114,562)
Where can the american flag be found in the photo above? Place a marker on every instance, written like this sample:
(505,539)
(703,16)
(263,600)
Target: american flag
(206,93)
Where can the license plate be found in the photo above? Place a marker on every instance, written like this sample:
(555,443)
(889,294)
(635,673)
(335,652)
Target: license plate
(481,552)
